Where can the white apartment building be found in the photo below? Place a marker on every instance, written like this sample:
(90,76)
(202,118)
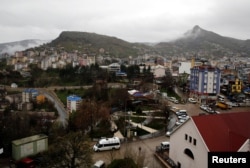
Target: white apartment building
(73,103)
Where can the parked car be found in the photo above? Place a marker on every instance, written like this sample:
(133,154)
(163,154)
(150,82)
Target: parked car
(223,105)
(165,145)
(203,107)
(181,112)
(178,123)
(99,164)
(233,104)
(192,100)
(176,101)
(168,133)
(182,120)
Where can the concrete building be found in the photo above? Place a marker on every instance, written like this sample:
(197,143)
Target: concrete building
(29,95)
(115,67)
(204,83)
(191,142)
(29,146)
(159,71)
(184,67)
(73,103)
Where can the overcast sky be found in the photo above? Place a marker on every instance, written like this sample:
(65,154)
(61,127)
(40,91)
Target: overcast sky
(130,20)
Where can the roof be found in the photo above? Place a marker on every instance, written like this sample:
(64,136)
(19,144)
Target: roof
(30,90)
(74,98)
(29,139)
(224,132)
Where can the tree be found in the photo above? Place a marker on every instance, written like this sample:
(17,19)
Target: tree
(70,151)
(168,81)
(89,114)
(119,97)
(123,163)
(133,158)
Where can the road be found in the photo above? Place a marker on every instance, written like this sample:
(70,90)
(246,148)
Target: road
(50,95)
(131,149)
(63,115)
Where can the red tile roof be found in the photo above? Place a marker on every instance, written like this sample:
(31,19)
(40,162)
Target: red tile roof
(224,132)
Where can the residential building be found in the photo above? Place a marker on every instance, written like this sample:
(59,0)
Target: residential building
(115,67)
(204,83)
(191,142)
(73,103)
(29,95)
(184,67)
(159,71)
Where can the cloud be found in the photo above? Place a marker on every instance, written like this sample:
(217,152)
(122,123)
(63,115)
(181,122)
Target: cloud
(134,21)
(11,48)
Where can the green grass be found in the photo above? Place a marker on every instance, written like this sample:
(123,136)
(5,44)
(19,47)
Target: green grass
(137,119)
(64,93)
(171,93)
(157,124)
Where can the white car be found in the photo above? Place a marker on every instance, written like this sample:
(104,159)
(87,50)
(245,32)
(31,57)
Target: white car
(192,100)
(182,120)
(182,116)
(168,133)
(203,107)
(178,123)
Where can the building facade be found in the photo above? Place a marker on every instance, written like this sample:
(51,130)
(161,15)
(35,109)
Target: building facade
(191,142)
(29,95)
(73,103)
(204,82)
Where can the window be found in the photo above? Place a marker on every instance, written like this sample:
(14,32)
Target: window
(189,153)
(190,139)
(178,165)
(186,137)
(194,142)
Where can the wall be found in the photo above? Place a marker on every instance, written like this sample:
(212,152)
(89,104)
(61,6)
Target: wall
(178,144)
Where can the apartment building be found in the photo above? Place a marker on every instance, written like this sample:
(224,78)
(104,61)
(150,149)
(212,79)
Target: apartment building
(204,82)
(73,103)
(29,95)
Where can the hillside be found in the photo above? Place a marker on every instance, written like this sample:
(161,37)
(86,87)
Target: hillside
(196,41)
(200,40)
(91,43)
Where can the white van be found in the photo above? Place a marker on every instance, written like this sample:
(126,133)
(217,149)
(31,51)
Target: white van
(107,144)
(165,145)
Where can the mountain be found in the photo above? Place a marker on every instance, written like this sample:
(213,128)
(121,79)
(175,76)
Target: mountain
(92,43)
(198,40)
(11,47)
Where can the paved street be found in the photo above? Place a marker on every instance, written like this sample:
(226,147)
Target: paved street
(148,145)
(132,149)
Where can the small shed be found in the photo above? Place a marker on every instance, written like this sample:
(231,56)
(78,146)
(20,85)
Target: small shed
(28,146)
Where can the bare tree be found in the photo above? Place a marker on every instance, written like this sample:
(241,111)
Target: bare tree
(70,151)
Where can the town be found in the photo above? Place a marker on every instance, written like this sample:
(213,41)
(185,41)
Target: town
(55,101)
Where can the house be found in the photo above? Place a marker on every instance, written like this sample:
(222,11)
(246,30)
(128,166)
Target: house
(191,142)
